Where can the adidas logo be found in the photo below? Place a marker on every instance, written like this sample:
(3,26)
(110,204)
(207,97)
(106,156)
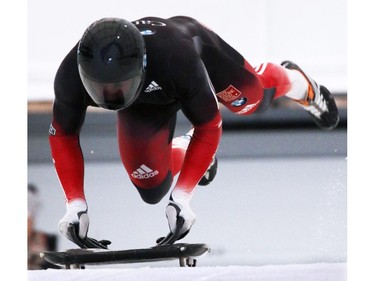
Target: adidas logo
(144,172)
(152,87)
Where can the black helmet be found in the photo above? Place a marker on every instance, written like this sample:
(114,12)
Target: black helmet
(111,62)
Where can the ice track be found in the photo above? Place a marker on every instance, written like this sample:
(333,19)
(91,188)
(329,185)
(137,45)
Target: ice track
(293,272)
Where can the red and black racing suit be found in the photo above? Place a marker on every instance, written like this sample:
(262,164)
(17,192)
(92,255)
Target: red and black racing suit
(189,68)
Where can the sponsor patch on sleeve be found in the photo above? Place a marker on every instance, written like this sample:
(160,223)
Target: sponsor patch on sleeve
(229,94)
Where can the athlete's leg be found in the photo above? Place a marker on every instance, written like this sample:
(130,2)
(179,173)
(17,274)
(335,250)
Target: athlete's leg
(179,147)
(240,87)
(286,82)
(237,88)
(290,80)
(145,142)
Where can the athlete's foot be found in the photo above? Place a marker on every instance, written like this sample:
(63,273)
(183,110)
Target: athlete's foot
(210,173)
(319,101)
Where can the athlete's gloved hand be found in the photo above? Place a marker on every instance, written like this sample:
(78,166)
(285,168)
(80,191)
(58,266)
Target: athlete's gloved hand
(74,225)
(180,217)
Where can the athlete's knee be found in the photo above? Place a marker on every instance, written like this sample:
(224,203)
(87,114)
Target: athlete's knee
(155,194)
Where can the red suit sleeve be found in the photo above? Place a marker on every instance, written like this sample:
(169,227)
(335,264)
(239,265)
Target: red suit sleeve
(201,150)
(68,160)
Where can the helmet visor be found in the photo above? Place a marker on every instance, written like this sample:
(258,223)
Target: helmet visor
(113,95)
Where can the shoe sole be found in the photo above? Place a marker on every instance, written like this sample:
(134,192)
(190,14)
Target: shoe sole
(329,120)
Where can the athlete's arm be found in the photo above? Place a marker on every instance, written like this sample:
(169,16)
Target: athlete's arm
(65,149)
(69,109)
(199,104)
(201,150)
(68,116)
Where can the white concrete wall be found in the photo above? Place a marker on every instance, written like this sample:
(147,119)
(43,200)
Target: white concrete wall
(312,33)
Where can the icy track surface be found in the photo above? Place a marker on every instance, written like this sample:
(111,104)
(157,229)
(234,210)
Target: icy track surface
(295,272)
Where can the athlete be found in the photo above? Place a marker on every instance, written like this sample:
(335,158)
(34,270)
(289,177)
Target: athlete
(147,70)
